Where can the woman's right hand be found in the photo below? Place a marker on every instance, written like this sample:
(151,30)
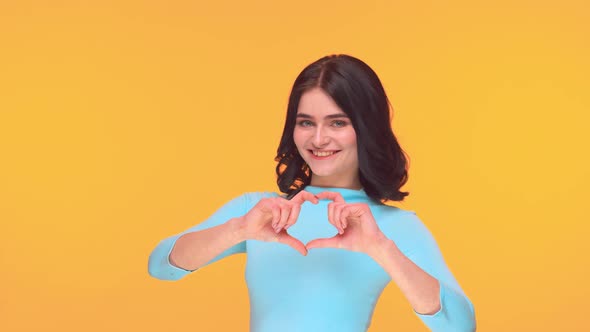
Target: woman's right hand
(269,219)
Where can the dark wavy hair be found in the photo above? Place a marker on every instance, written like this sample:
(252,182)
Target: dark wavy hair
(356,89)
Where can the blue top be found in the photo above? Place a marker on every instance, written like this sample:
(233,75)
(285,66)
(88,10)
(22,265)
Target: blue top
(329,289)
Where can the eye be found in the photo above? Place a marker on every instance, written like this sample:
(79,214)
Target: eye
(339,123)
(304,123)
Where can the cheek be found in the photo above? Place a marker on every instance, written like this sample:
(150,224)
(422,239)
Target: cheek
(298,138)
(349,138)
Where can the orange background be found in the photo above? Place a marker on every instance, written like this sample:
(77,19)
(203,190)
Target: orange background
(124,123)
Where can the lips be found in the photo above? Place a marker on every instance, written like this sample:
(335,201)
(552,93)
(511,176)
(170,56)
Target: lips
(325,154)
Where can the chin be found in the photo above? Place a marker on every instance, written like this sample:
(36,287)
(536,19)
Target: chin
(323,173)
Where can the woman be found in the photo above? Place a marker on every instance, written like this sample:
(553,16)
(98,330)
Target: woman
(338,163)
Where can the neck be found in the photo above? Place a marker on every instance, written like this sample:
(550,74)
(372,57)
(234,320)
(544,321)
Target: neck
(350,183)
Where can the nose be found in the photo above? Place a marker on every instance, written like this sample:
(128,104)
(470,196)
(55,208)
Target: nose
(320,138)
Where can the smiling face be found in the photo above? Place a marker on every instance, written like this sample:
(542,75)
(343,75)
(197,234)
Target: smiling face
(326,140)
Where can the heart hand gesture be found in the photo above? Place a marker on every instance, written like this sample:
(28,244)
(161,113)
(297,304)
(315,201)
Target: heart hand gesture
(357,229)
(269,219)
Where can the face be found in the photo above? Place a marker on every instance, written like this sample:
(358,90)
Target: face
(326,140)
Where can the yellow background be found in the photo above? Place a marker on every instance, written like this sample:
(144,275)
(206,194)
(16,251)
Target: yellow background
(124,123)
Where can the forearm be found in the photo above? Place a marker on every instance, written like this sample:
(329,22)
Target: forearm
(195,249)
(421,289)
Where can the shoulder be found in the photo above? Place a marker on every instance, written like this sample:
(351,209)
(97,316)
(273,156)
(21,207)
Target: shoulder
(252,197)
(246,201)
(391,215)
(402,225)
(400,219)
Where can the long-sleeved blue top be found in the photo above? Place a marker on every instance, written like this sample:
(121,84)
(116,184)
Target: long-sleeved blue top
(329,289)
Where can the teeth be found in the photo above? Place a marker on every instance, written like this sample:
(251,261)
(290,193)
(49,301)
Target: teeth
(323,154)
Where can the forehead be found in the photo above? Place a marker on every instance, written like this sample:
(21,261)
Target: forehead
(316,102)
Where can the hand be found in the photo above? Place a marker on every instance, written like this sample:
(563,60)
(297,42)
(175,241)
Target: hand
(357,228)
(269,219)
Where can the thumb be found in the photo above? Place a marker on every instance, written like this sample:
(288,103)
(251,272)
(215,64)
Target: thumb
(332,242)
(292,242)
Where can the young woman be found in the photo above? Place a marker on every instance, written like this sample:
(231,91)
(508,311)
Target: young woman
(338,162)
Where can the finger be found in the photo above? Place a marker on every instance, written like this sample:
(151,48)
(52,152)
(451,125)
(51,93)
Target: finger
(344,216)
(293,215)
(332,242)
(303,196)
(276,215)
(283,219)
(292,242)
(331,208)
(337,213)
(330,211)
(335,196)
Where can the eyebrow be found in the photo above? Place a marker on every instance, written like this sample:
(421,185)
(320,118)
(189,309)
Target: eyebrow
(330,116)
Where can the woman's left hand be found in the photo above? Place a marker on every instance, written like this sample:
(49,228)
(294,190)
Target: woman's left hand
(357,229)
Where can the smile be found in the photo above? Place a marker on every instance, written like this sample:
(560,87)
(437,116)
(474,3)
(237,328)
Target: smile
(322,154)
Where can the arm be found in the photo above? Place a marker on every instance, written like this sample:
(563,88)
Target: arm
(420,288)
(215,238)
(228,229)
(423,276)
(195,249)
